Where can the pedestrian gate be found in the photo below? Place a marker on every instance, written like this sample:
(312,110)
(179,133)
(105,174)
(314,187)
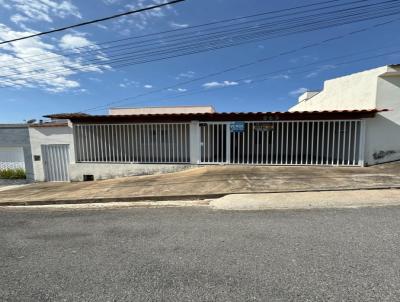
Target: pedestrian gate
(56,162)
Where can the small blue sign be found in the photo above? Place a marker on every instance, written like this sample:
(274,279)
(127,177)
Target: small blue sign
(237,127)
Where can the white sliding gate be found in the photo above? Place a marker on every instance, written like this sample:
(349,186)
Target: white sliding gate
(332,142)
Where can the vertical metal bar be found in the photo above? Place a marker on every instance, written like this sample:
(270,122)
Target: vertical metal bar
(287,142)
(150,142)
(344,140)
(89,143)
(267,148)
(297,142)
(362,143)
(282,140)
(140,145)
(248,143)
(302,141)
(147,151)
(181,143)
(312,143)
(292,139)
(277,143)
(318,143)
(203,155)
(109,155)
(252,142)
(328,134)
(218,129)
(168,141)
(233,145)
(228,146)
(349,148)
(262,146)
(355,142)
(208,143)
(243,144)
(338,143)
(308,142)
(333,141)
(323,142)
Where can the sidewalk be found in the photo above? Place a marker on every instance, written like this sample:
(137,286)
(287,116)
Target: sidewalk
(208,182)
(308,200)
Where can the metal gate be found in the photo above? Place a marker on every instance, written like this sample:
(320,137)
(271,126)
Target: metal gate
(56,162)
(213,143)
(319,142)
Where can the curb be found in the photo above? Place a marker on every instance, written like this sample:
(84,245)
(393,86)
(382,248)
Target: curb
(177,197)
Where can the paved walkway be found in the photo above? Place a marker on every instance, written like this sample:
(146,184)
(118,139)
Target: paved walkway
(211,180)
(308,200)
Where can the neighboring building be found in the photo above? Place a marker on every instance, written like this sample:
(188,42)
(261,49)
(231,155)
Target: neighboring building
(15,148)
(161,110)
(322,129)
(375,88)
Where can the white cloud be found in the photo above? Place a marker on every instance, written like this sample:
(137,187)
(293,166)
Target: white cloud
(219,84)
(281,76)
(33,63)
(148,86)
(248,81)
(69,41)
(178,90)
(129,83)
(18,19)
(186,75)
(178,25)
(141,21)
(298,91)
(40,10)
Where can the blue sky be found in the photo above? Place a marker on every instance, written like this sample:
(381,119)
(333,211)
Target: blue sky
(72,91)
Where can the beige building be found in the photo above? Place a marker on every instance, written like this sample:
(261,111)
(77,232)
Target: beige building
(161,110)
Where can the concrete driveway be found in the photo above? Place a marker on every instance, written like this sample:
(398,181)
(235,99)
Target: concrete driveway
(211,180)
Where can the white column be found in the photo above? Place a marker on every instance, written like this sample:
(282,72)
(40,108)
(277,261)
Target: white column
(195,149)
(362,146)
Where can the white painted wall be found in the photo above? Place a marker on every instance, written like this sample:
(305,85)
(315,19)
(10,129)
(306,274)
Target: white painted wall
(376,88)
(17,136)
(47,136)
(355,91)
(107,171)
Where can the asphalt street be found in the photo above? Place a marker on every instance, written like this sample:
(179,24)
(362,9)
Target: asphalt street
(198,254)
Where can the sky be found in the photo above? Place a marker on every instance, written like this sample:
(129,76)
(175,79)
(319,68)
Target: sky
(69,83)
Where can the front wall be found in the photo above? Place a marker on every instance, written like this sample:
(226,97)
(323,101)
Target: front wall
(383,132)
(107,171)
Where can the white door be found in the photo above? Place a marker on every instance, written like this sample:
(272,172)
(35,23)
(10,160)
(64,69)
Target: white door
(56,162)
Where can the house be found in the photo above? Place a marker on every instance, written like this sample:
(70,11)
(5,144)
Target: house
(375,88)
(322,129)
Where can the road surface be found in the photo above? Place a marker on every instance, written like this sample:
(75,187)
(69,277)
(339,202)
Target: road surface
(198,254)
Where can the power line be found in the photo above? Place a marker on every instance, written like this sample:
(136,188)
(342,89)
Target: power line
(240,66)
(201,91)
(259,33)
(189,27)
(93,21)
(231,29)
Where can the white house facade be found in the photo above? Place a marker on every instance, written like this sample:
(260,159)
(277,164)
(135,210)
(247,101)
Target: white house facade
(375,88)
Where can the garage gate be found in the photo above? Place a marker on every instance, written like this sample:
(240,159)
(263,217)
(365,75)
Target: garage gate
(334,142)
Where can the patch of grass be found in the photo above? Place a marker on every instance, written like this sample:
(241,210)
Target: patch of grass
(13,173)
